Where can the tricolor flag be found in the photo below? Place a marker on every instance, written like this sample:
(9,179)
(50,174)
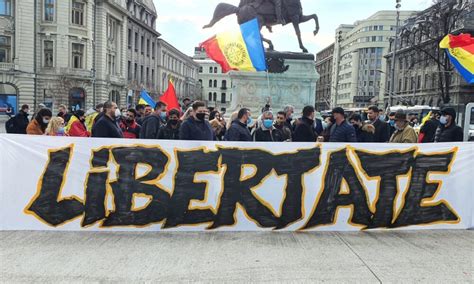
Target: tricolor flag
(170,98)
(145,99)
(240,51)
(460,50)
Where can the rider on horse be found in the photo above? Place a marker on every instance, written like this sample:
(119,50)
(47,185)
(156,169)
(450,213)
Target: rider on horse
(257,3)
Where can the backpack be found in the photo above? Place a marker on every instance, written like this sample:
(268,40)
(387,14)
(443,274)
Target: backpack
(10,126)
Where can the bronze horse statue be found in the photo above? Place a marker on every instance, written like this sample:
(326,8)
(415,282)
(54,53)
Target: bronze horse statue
(265,12)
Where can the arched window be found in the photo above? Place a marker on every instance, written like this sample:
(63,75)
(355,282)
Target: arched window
(215,70)
(210,69)
(215,83)
(224,84)
(210,83)
(214,97)
(210,96)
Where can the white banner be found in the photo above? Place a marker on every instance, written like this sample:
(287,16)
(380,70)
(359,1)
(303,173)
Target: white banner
(53,183)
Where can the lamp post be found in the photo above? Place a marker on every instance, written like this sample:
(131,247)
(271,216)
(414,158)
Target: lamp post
(395,43)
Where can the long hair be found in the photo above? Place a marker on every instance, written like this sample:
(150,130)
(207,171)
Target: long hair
(54,124)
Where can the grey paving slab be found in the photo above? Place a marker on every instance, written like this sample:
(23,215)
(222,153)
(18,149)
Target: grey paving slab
(235,257)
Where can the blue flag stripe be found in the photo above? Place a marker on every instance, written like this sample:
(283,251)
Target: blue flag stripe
(251,34)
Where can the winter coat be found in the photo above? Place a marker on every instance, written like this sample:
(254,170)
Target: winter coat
(366,133)
(34,128)
(382,131)
(150,127)
(407,135)
(193,130)
(130,130)
(268,135)
(342,133)
(106,127)
(285,131)
(238,131)
(453,133)
(304,131)
(428,131)
(168,133)
(21,121)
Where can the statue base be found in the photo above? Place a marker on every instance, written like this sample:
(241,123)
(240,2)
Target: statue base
(294,84)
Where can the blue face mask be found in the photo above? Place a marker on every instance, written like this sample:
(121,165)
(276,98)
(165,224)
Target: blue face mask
(268,123)
(249,121)
(163,115)
(61,130)
(443,120)
(392,123)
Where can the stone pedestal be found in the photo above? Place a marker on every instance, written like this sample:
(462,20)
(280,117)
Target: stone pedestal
(296,86)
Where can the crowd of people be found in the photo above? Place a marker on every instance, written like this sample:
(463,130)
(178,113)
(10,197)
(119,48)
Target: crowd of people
(196,122)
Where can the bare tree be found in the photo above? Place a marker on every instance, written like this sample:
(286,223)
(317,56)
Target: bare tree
(425,34)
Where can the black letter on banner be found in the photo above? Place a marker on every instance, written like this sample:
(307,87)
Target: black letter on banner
(414,212)
(46,203)
(238,191)
(295,166)
(127,185)
(387,167)
(189,164)
(96,187)
(331,198)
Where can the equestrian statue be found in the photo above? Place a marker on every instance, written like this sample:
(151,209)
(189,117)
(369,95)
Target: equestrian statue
(269,13)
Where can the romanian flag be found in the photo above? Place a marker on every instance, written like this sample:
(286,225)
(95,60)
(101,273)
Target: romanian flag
(460,50)
(170,98)
(240,51)
(145,99)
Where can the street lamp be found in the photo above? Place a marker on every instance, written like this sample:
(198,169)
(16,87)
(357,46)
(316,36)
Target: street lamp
(395,43)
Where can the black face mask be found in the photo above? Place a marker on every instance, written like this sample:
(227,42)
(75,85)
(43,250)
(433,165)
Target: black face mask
(173,122)
(201,116)
(356,126)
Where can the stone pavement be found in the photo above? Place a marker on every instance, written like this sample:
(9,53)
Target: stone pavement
(366,257)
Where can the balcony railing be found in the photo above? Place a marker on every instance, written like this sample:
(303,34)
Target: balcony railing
(7,66)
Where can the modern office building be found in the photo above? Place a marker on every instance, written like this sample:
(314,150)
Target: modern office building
(324,63)
(358,78)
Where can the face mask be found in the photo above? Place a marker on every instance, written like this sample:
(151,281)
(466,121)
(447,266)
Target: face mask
(443,120)
(163,115)
(61,130)
(356,126)
(392,123)
(325,125)
(45,121)
(268,123)
(201,116)
(249,121)
(117,113)
(382,117)
(173,122)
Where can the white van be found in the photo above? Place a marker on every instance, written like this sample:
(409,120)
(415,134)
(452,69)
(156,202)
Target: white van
(469,123)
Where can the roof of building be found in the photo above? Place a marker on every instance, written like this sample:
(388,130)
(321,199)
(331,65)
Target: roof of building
(149,5)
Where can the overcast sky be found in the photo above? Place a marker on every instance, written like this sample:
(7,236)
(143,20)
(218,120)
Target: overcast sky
(180,21)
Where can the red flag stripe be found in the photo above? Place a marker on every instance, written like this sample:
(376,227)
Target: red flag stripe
(215,53)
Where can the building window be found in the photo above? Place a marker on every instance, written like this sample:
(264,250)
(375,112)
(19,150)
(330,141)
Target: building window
(6,7)
(135,71)
(215,70)
(223,98)
(215,83)
(210,70)
(129,70)
(5,49)
(136,42)
(48,53)
(49,10)
(200,69)
(148,48)
(142,45)
(210,96)
(141,73)
(111,64)
(153,50)
(153,76)
(114,96)
(210,83)
(214,97)
(147,75)
(78,12)
(77,55)
(224,84)
(129,39)
(111,28)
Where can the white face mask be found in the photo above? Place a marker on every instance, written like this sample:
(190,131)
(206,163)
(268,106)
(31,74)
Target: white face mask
(443,120)
(117,113)
(45,121)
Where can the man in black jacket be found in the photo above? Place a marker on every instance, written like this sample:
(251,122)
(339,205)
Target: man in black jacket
(448,131)
(364,131)
(106,126)
(382,130)
(428,130)
(196,127)
(239,130)
(267,132)
(171,130)
(304,131)
(151,124)
(21,121)
(341,131)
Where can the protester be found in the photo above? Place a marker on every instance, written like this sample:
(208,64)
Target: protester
(91,116)
(280,125)
(9,112)
(64,113)
(20,121)
(140,111)
(129,126)
(267,132)
(186,105)
(171,130)
(365,132)
(382,130)
(289,111)
(448,131)
(55,127)
(38,125)
(218,128)
(78,127)
(428,130)
(341,130)
(304,131)
(152,123)
(404,132)
(391,122)
(327,125)
(187,114)
(239,130)
(147,111)
(196,127)
(106,126)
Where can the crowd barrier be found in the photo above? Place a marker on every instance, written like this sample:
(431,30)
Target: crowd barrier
(80,184)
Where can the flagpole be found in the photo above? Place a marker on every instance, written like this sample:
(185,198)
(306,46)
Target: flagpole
(268,84)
